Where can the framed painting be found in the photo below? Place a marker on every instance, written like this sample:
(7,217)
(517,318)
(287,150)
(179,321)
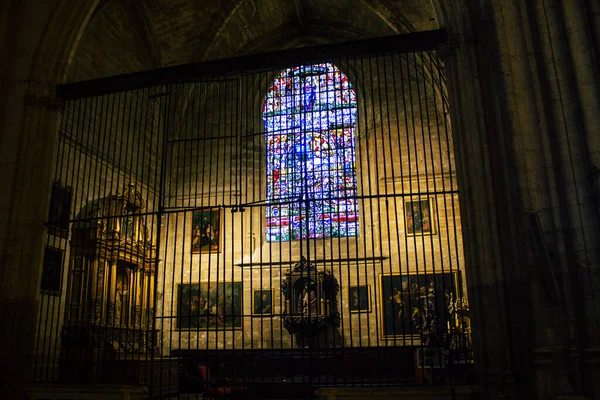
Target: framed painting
(60,210)
(262,302)
(359,298)
(206,231)
(417,307)
(52,271)
(209,305)
(419,217)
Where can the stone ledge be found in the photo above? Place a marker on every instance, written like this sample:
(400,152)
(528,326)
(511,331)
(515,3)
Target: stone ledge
(408,392)
(85,392)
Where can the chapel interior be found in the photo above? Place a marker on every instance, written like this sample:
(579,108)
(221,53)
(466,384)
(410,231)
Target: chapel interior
(221,199)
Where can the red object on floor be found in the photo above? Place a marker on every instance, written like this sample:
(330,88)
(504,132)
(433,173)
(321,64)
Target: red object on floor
(219,388)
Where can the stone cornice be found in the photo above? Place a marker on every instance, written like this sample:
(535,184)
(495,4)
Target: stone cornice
(51,103)
(455,42)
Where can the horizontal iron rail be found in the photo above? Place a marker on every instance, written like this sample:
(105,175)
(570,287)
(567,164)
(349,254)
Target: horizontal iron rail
(236,206)
(417,41)
(315,261)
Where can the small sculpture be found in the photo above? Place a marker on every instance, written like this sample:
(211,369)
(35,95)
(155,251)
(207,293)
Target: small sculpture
(307,304)
(310,302)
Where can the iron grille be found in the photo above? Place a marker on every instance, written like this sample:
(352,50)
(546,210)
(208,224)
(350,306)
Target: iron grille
(288,219)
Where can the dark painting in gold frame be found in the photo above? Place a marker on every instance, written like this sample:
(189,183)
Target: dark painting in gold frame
(359,298)
(262,302)
(209,305)
(59,213)
(415,307)
(52,271)
(418,216)
(206,230)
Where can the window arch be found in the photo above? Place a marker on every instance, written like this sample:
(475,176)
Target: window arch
(310,115)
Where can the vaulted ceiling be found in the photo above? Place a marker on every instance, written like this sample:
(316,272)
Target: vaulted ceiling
(131,35)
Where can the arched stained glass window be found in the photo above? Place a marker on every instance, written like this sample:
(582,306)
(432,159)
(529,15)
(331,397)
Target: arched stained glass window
(310,116)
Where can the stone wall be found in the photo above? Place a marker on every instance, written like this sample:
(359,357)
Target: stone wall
(522,79)
(216,158)
(105,144)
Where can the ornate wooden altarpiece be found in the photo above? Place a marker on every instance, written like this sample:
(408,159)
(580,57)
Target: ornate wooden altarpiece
(109,334)
(310,302)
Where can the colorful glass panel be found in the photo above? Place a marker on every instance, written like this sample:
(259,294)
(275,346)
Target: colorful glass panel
(310,116)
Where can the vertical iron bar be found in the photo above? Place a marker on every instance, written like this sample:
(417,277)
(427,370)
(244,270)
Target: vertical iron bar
(400,162)
(164,120)
(61,176)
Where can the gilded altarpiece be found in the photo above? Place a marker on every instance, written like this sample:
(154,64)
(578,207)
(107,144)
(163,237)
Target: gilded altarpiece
(110,305)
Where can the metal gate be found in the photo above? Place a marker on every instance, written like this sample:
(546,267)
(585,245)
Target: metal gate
(253,225)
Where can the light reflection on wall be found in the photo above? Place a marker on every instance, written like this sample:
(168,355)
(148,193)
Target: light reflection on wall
(310,116)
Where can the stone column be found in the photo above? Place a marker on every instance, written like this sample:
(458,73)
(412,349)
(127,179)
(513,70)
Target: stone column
(484,273)
(137,308)
(145,300)
(522,150)
(519,120)
(37,46)
(95,276)
(581,23)
(568,75)
(24,210)
(151,305)
(111,292)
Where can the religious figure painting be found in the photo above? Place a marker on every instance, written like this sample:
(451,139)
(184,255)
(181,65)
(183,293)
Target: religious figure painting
(123,286)
(262,302)
(419,218)
(307,302)
(359,298)
(206,231)
(209,305)
(52,271)
(417,307)
(60,210)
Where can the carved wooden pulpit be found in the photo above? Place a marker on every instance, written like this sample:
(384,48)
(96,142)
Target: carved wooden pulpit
(310,302)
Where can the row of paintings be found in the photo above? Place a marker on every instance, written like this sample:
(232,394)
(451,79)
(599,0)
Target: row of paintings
(411,305)
(217,305)
(262,303)
(207,223)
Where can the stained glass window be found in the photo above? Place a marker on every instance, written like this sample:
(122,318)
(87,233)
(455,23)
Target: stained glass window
(310,116)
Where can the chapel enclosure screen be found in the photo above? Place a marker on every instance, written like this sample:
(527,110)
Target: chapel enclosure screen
(288,220)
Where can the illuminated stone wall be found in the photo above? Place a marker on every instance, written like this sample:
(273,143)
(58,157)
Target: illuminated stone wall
(404,154)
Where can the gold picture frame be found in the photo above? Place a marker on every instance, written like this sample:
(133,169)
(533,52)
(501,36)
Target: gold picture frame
(359,299)
(404,298)
(419,217)
(209,306)
(262,302)
(206,230)
(59,213)
(52,271)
